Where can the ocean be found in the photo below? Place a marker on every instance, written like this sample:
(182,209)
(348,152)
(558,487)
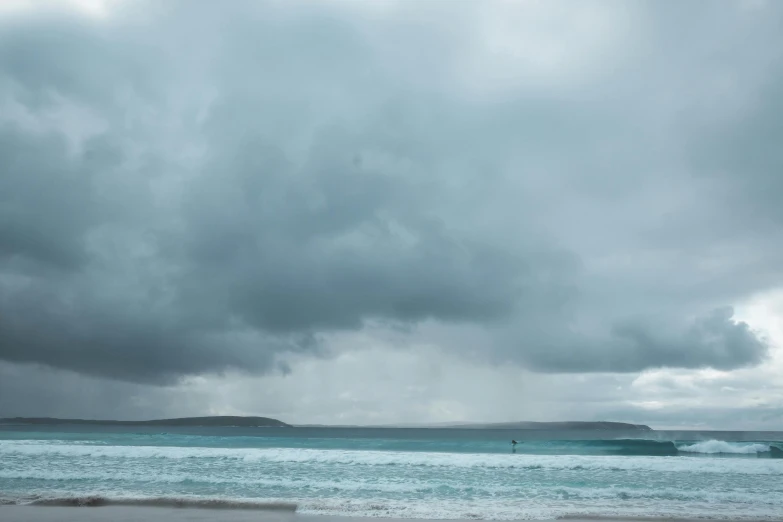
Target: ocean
(401,473)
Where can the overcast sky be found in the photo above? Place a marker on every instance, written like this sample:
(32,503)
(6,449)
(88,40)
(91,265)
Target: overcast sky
(381,212)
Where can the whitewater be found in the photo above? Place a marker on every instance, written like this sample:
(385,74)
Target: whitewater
(413,473)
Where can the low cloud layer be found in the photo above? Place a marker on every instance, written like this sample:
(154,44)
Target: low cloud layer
(187,189)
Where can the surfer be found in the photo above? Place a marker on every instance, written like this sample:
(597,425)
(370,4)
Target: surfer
(513,442)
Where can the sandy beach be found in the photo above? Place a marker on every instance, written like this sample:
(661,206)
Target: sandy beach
(154,514)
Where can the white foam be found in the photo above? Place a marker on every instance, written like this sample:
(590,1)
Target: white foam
(248,477)
(400,458)
(527,509)
(720,446)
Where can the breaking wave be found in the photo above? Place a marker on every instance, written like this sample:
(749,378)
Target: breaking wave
(712,447)
(286,457)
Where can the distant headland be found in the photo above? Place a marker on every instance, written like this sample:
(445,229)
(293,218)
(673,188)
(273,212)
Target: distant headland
(265,422)
(567,425)
(225,421)
(522,425)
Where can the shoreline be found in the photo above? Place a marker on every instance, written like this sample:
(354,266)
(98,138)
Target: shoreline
(271,513)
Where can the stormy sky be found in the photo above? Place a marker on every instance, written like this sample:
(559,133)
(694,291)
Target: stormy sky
(390,211)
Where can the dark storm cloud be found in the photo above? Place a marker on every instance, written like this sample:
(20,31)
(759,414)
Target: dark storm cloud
(189,189)
(251,254)
(634,344)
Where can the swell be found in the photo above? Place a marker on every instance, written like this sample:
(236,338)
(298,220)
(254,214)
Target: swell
(622,447)
(646,447)
(617,447)
(170,502)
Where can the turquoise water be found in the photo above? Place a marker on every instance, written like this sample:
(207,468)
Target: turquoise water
(413,473)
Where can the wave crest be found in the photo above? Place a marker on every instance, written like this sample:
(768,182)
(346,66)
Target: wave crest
(712,447)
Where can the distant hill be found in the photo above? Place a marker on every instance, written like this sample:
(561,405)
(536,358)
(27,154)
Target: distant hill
(258,422)
(524,425)
(568,425)
(254,422)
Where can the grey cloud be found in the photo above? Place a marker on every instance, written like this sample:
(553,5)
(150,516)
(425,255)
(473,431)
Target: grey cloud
(258,252)
(634,344)
(726,343)
(339,244)
(27,390)
(43,231)
(254,178)
(745,156)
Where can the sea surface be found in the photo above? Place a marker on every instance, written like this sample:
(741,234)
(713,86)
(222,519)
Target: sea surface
(408,473)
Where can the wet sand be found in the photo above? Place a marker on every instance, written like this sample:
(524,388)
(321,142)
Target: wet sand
(142,514)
